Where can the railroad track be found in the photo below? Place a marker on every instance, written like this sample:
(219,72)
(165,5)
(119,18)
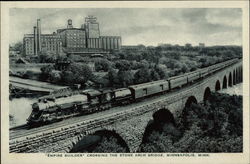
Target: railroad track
(19,127)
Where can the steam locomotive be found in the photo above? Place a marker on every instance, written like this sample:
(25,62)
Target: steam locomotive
(52,109)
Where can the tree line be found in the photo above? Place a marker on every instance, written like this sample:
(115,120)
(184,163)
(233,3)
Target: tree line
(129,67)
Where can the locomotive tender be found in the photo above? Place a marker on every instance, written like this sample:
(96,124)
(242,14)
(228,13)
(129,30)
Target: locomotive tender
(89,101)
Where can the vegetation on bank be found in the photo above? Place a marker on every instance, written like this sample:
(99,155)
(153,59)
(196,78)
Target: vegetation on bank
(129,67)
(214,127)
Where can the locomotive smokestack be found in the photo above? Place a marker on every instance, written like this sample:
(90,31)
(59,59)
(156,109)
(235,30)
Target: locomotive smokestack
(39,35)
(35,40)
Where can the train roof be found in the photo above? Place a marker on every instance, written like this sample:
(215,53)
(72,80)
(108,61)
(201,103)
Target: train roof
(106,91)
(70,99)
(185,74)
(143,85)
(120,89)
(93,93)
(200,69)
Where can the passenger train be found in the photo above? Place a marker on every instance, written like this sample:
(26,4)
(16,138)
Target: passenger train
(52,109)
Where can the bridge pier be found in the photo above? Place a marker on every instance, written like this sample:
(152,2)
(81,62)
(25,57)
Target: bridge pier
(132,130)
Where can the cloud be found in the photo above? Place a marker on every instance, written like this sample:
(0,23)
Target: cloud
(228,17)
(148,26)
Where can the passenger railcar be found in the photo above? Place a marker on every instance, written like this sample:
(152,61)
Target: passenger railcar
(122,96)
(147,89)
(178,81)
(192,76)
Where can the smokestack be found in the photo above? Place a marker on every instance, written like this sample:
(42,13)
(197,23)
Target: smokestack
(35,40)
(39,35)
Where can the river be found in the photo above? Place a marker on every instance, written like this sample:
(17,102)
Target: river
(20,108)
(234,90)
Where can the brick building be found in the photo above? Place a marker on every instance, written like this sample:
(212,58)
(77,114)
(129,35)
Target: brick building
(49,42)
(87,39)
(84,40)
(73,38)
(36,42)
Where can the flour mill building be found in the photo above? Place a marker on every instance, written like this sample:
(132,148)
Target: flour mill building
(84,40)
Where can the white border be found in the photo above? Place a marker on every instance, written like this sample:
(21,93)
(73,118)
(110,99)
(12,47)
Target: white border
(41,158)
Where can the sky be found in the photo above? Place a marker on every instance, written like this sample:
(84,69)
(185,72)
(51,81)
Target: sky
(148,26)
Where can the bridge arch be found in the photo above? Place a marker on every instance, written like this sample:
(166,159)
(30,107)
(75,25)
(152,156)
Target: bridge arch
(234,77)
(97,137)
(224,82)
(237,75)
(207,94)
(160,116)
(190,100)
(241,74)
(217,85)
(230,81)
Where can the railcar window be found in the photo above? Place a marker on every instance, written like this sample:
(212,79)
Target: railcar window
(145,92)
(162,87)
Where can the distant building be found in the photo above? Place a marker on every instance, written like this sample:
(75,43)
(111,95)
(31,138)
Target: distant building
(73,38)
(201,45)
(36,42)
(92,27)
(13,53)
(133,48)
(49,42)
(110,42)
(188,45)
(84,40)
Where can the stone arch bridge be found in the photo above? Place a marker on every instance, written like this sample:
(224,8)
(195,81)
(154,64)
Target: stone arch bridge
(130,126)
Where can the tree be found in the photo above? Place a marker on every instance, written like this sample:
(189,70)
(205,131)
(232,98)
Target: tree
(18,47)
(102,65)
(161,70)
(77,74)
(142,76)
(122,65)
(112,77)
(216,127)
(109,145)
(46,57)
(68,77)
(144,64)
(125,78)
(55,77)
(45,72)
(154,75)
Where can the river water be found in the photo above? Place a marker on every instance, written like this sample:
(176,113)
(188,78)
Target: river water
(234,90)
(20,108)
